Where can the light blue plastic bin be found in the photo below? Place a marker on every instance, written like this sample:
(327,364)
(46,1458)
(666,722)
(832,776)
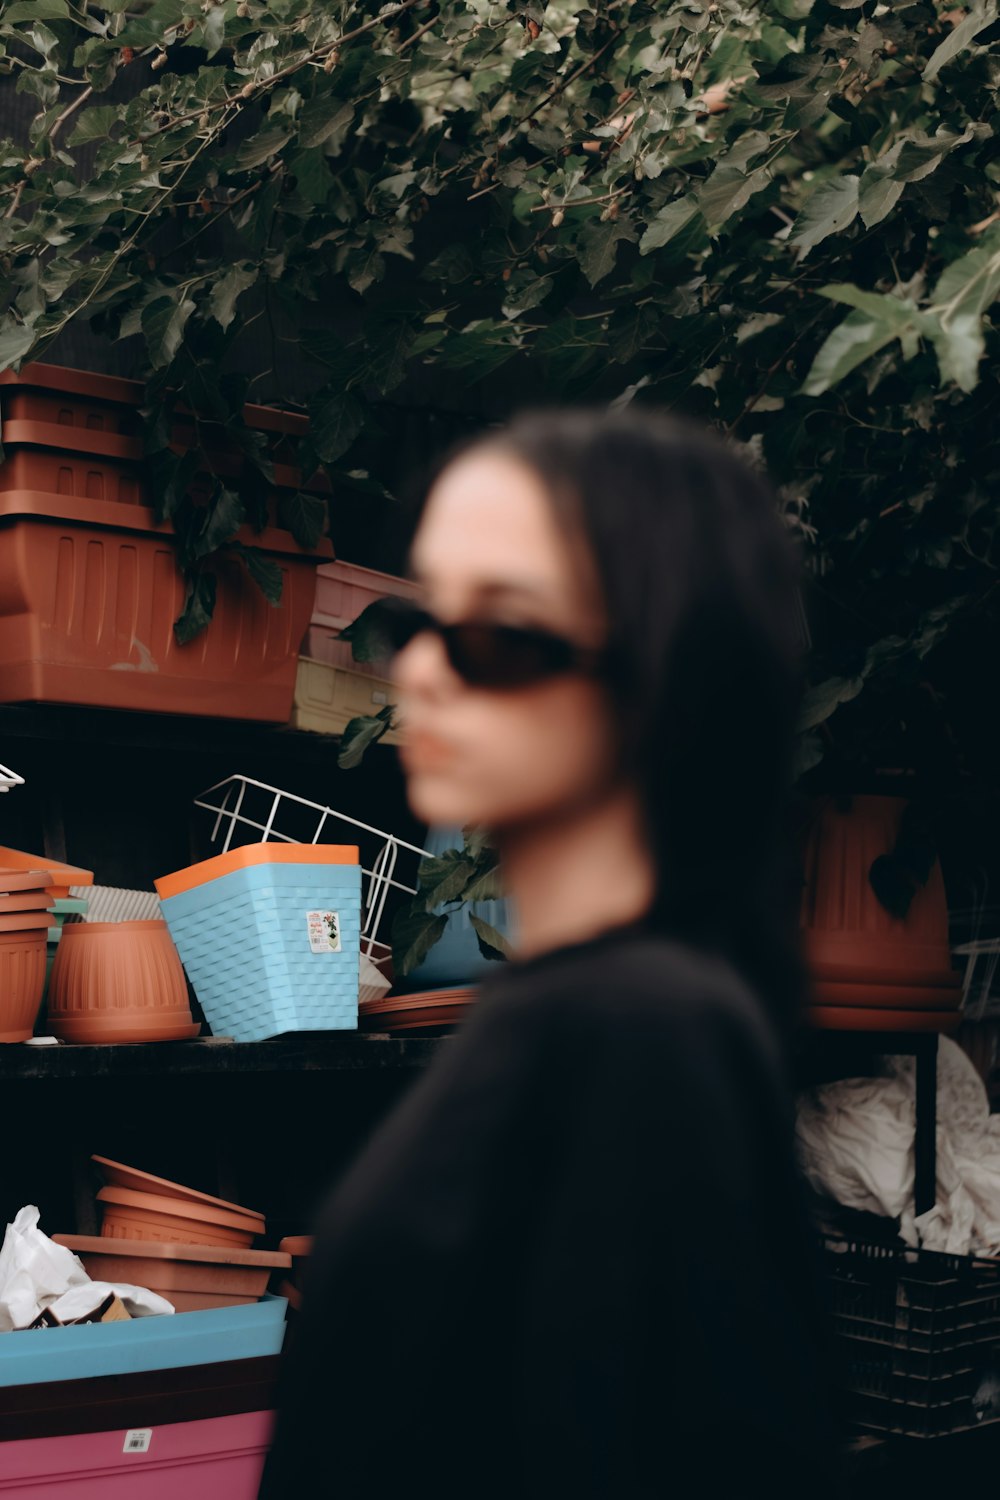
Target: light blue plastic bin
(251,1331)
(249,927)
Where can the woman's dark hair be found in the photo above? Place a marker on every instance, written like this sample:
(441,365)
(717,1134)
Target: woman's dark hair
(700,588)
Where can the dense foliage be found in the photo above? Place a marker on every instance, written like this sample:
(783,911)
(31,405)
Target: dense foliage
(783,217)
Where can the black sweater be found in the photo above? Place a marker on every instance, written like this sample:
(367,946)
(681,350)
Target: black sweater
(574,1262)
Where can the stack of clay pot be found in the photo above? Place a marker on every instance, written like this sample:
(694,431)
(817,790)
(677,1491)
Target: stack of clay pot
(872,971)
(24,923)
(193,1249)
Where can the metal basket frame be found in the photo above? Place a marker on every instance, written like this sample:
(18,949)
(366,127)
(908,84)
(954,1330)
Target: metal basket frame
(226,801)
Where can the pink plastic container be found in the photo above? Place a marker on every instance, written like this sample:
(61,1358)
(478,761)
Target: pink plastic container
(343,590)
(218,1459)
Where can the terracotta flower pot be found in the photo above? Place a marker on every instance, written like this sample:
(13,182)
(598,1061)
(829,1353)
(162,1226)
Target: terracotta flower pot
(129,1215)
(62,876)
(22,981)
(847,933)
(89,585)
(116,1174)
(119,982)
(192,1277)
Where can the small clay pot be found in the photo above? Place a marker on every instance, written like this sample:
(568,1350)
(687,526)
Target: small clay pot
(130,1215)
(23,957)
(116,1174)
(119,982)
(192,1277)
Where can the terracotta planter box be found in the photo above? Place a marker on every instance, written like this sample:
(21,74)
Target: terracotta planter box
(131,1215)
(192,1277)
(89,587)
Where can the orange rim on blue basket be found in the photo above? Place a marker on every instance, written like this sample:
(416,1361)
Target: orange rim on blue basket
(254,854)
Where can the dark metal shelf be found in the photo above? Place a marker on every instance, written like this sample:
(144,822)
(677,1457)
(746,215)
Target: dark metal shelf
(332,1052)
(111,726)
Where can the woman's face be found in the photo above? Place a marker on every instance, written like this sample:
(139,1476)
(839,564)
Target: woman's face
(489,548)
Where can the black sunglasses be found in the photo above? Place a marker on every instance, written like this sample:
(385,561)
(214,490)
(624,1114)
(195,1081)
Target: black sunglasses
(486,654)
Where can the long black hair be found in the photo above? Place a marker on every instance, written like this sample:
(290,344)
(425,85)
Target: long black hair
(700,590)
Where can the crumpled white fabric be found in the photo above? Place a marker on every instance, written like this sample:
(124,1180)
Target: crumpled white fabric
(855,1140)
(36,1273)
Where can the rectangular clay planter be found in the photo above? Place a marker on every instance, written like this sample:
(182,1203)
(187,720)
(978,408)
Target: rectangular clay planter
(192,1277)
(89,592)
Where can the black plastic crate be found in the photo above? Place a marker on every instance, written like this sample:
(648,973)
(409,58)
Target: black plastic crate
(918,1335)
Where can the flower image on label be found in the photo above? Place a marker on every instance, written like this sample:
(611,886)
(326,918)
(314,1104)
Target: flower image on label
(324,931)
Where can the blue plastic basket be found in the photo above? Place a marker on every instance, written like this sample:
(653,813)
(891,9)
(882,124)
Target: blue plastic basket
(270,944)
(81,1352)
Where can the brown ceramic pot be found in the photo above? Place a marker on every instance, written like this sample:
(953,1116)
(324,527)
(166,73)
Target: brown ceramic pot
(129,1215)
(22,980)
(190,1276)
(119,982)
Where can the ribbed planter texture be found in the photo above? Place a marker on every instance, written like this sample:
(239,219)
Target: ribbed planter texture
(119,982)
(89,585)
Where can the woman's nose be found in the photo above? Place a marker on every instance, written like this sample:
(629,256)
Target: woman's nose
(422,669)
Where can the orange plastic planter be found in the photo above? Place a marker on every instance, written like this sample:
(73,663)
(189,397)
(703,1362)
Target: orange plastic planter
(116,1174)
(848,934)
(192,1277)
(22,980)
(130,1215)
(89,592)
(62,876)
(119,982)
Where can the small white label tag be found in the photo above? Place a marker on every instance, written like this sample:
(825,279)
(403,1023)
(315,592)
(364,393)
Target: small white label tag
(138,1440)
(324,931)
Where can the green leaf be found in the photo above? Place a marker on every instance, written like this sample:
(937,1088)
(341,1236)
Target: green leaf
(443,878)
(325,120)
(486,886)
(34,10)
(830,209)
(878,194)
(163,322)
(94,124)
(16,340)
(225,291)
(492,944)
(361,733)
(199,608)
(598,247)
(335,425)
(959,345)
(414,934)
(305,516)
(264,571)
(170,475)
(223,518)
(856,339)
(970,284)
(261,147)
(821,702)
(214,32)
(667,223)
(982,14)
(367,635)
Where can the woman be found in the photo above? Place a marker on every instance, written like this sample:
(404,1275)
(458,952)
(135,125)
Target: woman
(574,1261)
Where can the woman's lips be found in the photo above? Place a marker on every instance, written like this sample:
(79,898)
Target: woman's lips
(425,752)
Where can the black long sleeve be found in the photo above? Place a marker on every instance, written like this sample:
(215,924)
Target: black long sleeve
(574,1262)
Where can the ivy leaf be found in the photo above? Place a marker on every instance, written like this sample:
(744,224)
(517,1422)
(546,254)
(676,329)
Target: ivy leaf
(486,886)
(324,119)
(305,516)
(598,247)
(261,147)
(335,425)
(222,520)
(16,340)
(961,36)
(367,635)
(170,475)
(443,878)
(830,209)
(94,124)
(199,608)
(854,340)
(225,291)
(492,944)
(360,734)
(668,222)
(35,10)
(414,934)
(819,703)
(163,322)
(264,571)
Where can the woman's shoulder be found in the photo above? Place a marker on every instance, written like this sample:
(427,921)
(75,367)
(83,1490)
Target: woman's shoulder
(637,980)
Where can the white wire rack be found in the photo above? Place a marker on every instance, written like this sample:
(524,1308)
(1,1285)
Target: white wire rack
(252,812)
(979,998)
(9,779)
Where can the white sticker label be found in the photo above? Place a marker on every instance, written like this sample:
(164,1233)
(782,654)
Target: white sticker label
(324,931)
(138,1440)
